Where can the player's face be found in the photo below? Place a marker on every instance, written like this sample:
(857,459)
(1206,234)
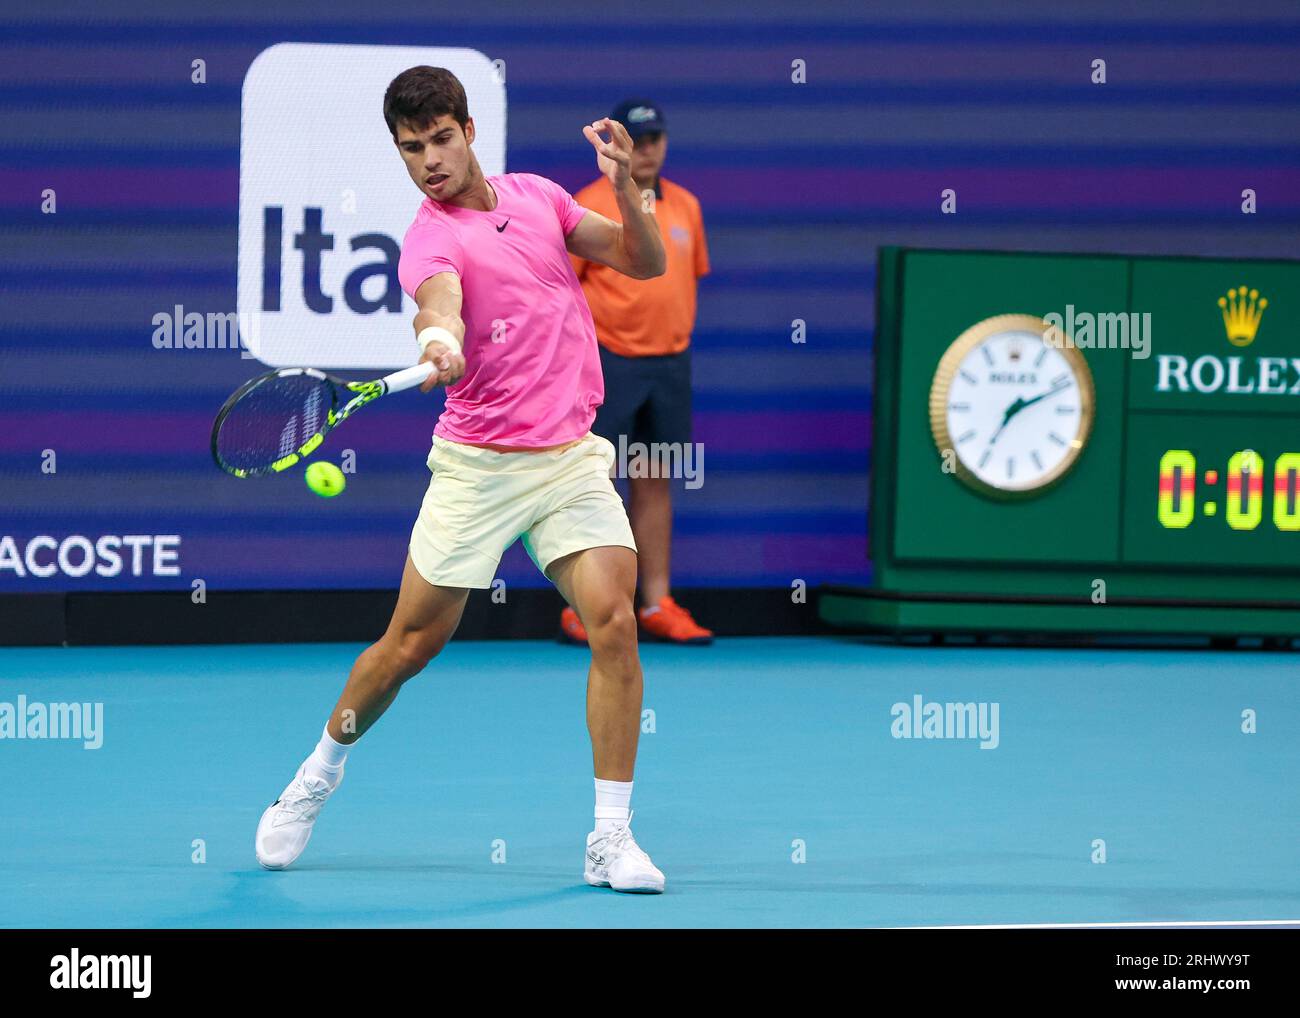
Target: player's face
(437,156)
(648,155)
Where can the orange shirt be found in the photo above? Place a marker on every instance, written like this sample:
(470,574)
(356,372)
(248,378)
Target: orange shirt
(647,317)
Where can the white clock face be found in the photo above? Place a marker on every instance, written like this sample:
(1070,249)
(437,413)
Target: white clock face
(1017,410)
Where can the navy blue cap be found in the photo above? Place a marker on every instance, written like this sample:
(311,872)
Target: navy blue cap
(640,117)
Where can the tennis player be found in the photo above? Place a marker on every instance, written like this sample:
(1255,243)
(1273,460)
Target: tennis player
(504,321)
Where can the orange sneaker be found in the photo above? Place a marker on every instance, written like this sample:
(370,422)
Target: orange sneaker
(672,623)
(571,628)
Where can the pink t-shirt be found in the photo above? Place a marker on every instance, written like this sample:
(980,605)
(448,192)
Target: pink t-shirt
(532,367)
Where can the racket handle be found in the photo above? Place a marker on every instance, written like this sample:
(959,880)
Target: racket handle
(408,378)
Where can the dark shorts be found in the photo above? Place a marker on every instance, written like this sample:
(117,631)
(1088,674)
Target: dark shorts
(647,399)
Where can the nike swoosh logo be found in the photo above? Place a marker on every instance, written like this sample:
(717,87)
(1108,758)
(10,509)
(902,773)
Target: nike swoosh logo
(501,228)
(597,859)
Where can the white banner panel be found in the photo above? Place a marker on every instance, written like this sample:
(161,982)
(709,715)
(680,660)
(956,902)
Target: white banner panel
(324,200)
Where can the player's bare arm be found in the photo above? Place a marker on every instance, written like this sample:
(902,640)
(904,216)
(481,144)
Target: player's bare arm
(633,247)
(439,298)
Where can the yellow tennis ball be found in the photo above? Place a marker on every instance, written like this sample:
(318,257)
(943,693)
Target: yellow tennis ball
(325,479)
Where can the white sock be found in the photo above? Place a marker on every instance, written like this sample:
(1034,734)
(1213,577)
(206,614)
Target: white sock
(326,760)
(613,799)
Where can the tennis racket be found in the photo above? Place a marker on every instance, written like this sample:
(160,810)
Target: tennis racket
(271,422)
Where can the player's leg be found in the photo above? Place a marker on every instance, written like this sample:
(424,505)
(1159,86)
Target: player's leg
(600,584)
(423,621)
(584,544)
(470,514)
(626,391)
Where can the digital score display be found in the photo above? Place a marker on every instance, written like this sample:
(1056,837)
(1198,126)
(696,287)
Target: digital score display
(1222,491)
(1244,496)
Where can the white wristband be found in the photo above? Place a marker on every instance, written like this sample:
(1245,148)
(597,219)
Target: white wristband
(437,334)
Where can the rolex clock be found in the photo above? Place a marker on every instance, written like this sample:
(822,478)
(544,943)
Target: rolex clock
(1011,406)
(1086,444)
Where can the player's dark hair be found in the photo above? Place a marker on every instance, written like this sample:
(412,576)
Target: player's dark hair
(420,95)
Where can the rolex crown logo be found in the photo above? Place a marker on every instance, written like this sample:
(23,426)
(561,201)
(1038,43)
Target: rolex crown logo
(1242,310)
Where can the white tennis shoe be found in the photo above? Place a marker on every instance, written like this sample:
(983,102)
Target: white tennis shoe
(616,860)
(285,827)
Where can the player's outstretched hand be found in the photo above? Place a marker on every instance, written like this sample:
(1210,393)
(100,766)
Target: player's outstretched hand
(449,366)
(613,157)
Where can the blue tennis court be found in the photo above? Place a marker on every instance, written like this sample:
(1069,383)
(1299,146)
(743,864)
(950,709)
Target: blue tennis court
(468,804)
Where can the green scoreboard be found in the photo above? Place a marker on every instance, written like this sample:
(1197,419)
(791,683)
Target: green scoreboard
(1083,444)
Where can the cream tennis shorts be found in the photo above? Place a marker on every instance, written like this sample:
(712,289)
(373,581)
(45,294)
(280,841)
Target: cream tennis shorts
(480,500)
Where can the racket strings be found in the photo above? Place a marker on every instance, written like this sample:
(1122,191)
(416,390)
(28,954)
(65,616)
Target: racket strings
(272,420)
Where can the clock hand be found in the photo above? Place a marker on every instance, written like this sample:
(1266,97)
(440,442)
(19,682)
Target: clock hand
(1050,392)
(1009,413)
(1020,404)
